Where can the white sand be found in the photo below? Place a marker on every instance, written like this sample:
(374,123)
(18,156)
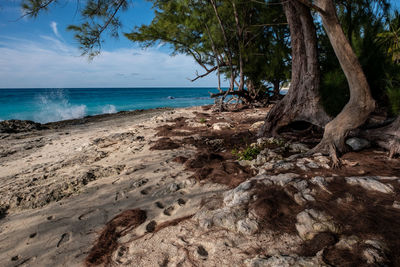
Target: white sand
(63,185)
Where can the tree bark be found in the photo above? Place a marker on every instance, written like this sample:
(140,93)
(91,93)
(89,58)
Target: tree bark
(276,89)
(302,103)
(361,103)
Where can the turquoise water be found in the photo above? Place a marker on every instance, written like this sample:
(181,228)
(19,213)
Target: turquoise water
(47,105)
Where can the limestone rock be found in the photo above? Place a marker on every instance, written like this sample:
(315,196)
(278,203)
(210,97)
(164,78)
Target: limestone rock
(261,159)
(312,165)
(370,183)
(298,148)
(268,166)
(311,222)
(247,226)
(196,124)
(219,126)
(239,195)
(284,261)
(321,182)
(347,242)
(256,126)
(18,126)
(357,144)
(245,163)
(375,253)
(294,157)
(283,179)
(284,165)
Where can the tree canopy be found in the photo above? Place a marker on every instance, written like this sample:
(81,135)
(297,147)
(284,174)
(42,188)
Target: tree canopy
(348,63)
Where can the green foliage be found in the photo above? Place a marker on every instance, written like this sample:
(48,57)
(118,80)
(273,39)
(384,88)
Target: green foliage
(362,21)
(249,153)
(334,91)
(192,27)
(256,41)
(98,16)
(202,120)
(390,39)
(393,93)
(32,8)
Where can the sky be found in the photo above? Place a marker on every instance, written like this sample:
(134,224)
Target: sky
(40,53)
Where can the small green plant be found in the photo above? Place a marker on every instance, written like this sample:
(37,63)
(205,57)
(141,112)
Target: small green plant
(202,120)
(249,153)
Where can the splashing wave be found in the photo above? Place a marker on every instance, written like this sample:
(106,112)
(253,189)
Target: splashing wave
(55,106)
(108,109)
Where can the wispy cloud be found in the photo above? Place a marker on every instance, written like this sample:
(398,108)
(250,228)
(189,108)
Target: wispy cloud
(53,26)
(52,63)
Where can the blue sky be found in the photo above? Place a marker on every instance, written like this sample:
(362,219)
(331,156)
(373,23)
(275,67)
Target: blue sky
(41,53)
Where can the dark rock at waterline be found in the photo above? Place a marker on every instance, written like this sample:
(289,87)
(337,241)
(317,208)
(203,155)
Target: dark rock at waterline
(19,126)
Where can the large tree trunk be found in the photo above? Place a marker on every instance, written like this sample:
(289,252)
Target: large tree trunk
(361,103)
(302,103)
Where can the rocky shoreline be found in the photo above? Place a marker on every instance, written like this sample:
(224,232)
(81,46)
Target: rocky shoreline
(189,187)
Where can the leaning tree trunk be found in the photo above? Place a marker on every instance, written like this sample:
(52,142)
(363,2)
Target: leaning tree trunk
(361,103)
(302,103)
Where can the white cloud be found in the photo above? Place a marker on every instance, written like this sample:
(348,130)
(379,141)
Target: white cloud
(53,26)
(51,63)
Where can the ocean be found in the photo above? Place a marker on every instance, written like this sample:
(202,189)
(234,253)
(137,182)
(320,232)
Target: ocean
(48,105)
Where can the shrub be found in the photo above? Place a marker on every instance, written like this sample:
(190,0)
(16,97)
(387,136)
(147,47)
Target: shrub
(249,153)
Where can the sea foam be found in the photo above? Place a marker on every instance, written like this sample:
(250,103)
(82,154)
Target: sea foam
(108,109)
(55,106)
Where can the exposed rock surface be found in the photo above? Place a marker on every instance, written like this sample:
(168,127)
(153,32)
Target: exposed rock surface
(371,183)
(358,144)
(311,222)
(256,126)
(285,261)
(219,126)
(18,126)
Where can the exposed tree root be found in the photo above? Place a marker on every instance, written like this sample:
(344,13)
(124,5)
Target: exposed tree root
(387,137)
(328,148)
(257,100)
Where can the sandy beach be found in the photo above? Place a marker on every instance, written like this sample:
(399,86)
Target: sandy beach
(166,190)
(62,185)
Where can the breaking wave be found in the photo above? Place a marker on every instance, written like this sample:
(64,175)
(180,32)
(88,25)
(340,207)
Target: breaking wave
(108,109)
(55,106)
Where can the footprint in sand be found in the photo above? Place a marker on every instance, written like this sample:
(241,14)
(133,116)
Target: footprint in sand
(146,191)
(159,205)
(32,235)
(64,239)
(181,201)
(84,216)
(139,183)
(151,226)
(120,195)
(172,209)
(168,211)
(202,251)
